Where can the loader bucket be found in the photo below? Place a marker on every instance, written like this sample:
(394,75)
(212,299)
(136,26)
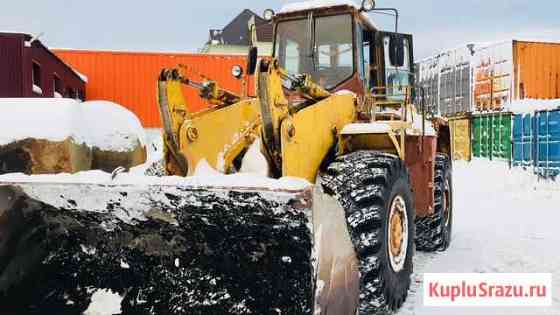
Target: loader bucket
(162,248)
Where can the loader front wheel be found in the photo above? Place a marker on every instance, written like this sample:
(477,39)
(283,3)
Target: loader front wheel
(433,233)
(375,191)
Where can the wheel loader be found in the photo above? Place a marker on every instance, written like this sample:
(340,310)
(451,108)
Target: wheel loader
(358,175)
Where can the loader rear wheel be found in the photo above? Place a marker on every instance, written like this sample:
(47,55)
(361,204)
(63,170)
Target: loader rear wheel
(433,233)
(374,190)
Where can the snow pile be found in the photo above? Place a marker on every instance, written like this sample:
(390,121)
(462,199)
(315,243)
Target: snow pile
(104,302)
(102,124)
(529,106)
(111,126)
(505,221)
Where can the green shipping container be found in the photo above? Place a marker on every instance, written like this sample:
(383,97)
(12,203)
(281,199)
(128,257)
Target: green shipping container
(492,136)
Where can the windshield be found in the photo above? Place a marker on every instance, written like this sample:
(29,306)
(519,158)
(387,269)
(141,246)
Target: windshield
(330,61)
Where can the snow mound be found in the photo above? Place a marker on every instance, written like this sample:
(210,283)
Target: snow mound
(42,118)
(528,106)
(105,125)
(112,127)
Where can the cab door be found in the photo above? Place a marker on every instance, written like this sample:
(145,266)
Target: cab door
(393,58)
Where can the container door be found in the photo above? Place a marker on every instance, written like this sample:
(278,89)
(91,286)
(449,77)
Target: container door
(518,145)
(477,137)
(541,162)
(505,137)
(554,145)
(461,139)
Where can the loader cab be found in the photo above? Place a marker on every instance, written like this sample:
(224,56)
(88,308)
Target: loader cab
(341,48)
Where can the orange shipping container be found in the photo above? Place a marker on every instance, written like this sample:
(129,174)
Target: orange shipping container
(130,78)
(537,70)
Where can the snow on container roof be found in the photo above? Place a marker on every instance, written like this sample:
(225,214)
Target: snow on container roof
(105,125)
(528,106)
(318,4)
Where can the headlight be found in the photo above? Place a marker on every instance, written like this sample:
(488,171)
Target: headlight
(368,5)
(268,14)
(237,71)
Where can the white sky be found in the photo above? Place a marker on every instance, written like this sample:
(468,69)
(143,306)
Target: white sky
(182,25)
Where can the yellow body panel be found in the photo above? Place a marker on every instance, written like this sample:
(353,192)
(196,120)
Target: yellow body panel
(313,133)
(221,135)
(461,139)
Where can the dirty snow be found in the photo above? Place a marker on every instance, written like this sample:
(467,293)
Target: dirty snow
(102,124)
(104,302)
(505,221)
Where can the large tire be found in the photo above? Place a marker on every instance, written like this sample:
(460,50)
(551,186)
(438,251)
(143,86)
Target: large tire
(367,184)
(433,233)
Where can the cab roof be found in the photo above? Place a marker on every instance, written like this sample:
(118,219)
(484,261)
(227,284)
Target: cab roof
(294,9)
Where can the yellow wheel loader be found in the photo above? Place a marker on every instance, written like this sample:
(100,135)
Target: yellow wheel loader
(332,174)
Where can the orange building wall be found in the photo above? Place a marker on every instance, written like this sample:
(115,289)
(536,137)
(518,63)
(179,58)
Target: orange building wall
(130,78)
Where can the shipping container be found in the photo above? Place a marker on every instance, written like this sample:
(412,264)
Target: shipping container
(524,140)
(130,78)
(446,79)
(461,138)
(547,157)
(29,69)
(494,74)
(492,136)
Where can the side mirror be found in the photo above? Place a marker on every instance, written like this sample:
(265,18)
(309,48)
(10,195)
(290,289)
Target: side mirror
(396,50)
(252,60)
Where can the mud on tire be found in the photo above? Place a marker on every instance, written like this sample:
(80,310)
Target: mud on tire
(366,183)
(433,233)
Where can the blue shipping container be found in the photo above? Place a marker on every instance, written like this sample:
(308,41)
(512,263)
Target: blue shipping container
(524,144)
(547,161)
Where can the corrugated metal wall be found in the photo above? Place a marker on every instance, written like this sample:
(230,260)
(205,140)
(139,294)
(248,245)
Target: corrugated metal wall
(524,140)
(536,142)
(130,79)
(497,74)
(493,72)
(548,143)
(537,68)
(492,136)
(11,54)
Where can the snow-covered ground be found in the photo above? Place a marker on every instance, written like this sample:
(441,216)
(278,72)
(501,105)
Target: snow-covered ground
(505,221)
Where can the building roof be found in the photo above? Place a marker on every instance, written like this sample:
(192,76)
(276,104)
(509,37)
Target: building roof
(236,32)
(36,42)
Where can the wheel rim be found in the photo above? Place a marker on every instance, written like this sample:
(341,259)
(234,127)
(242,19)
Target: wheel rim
(397,230)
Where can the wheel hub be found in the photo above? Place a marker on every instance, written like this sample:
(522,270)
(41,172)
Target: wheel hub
(397,233)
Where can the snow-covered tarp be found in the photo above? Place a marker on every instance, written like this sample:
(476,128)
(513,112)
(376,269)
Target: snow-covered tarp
(105,125)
